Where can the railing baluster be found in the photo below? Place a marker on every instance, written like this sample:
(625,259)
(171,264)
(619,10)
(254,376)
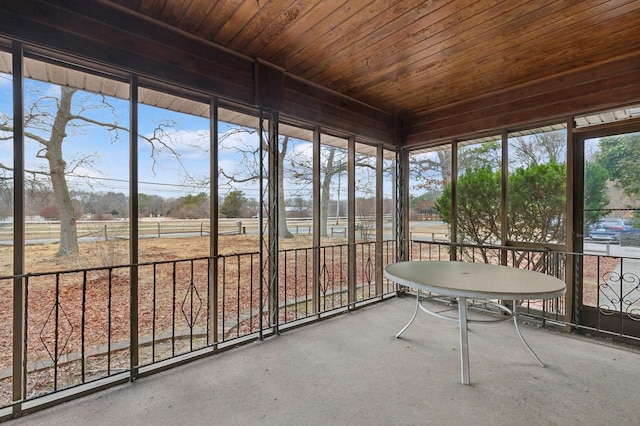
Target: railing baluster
(173,311)
(153,313)
(83,325)
(238,296)
(56,333)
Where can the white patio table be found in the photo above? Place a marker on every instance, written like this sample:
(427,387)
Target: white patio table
(467,280)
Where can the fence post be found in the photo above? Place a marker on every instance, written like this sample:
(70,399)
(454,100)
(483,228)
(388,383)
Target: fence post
(158,229)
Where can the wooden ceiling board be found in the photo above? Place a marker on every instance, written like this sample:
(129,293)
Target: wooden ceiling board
(474,46)
(364,27)
(394,51)
(438,39)
(309,27)
(406,57)
(300,49)
(217,18)
(513,64)
(196,14)
(269,27)
(236,24)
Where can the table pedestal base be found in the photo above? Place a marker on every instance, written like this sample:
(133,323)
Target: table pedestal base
(464,331)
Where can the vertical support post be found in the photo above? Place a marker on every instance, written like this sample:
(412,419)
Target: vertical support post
(351,220)
(212,300)
(379,211)
(504,196)
(575,224)
(453,255)
(269,199)
(19,332)
(133,226)
(402,202)
(316,221)
(274,170)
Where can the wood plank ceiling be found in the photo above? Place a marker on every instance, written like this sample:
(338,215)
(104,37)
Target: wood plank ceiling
(408,57)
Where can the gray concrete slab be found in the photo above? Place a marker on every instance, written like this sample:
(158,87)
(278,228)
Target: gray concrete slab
(350,370)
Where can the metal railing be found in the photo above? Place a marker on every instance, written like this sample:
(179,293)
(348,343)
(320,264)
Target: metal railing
(78,322)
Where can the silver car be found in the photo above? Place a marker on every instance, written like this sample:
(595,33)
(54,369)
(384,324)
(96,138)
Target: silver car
(610,229)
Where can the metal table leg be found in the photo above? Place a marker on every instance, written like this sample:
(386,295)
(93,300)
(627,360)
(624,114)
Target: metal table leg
(515,322)
(415,312)
(464,339)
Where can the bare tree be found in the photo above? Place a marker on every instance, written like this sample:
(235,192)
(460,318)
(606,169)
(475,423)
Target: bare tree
(547,147)
(333,162)
(251,172)
(48,121)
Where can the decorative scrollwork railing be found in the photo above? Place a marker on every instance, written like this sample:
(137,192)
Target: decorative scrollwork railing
(620,293)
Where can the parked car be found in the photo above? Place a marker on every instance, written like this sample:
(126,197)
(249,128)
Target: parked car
(610,230)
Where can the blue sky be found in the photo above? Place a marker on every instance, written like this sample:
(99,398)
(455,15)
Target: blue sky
(102,159)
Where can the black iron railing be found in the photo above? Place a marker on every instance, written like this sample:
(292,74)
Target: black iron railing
(77,323)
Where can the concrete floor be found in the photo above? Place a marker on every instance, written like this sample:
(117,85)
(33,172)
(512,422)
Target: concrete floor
(350,370)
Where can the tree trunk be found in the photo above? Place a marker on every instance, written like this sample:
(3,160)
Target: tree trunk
(325,195)
(57,172)
(283,229)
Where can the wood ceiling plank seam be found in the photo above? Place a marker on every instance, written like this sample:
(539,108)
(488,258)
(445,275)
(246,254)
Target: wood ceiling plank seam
(174,11)
(272,11)
(289,18)
(311,27)
(236,22)
(199,11)
(221,13)
(394,55)
(358,58)
(452,52)
(447,64)
(360,22)
(568,38)
(282,37)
